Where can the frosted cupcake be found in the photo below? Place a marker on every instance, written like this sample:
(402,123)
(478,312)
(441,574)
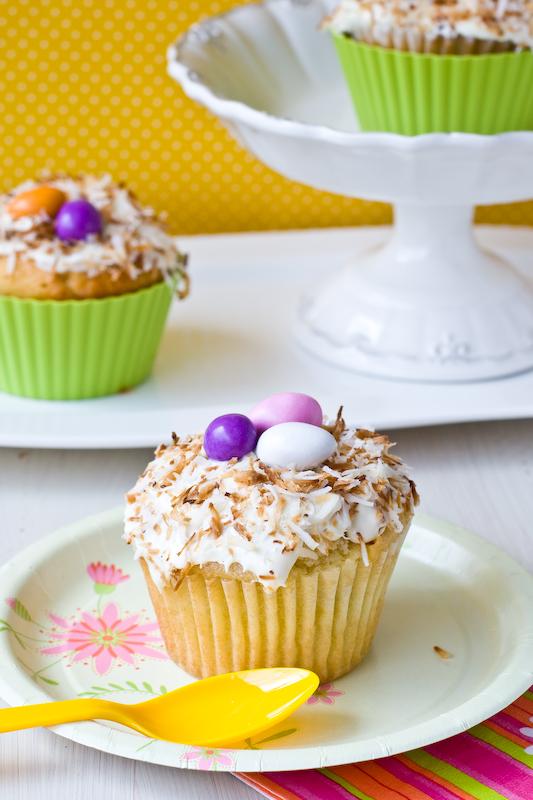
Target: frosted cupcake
(419,67)
(87,275)
(270,551)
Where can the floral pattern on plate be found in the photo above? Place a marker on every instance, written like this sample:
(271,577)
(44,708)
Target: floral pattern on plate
(326,693)
(102,637)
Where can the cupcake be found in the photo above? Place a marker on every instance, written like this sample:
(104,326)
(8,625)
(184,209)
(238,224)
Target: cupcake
(270,540)
(87,276)
(430,66)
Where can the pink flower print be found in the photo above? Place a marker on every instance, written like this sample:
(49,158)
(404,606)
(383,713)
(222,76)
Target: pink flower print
(326,693)
(208,758)
(105,639)
(106,577)
(528,733)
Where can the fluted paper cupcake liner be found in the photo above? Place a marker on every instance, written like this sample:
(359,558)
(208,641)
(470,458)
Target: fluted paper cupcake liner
(324,619)
(74,349)
(414,93)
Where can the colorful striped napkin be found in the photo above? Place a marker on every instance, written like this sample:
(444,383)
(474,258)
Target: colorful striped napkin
(493,761)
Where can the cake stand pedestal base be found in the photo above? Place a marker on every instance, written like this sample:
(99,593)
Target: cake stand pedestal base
(429,305)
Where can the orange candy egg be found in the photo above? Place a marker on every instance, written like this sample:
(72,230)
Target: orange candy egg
(34,201)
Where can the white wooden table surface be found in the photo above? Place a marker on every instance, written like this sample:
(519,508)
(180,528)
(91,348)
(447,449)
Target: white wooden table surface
(479,476)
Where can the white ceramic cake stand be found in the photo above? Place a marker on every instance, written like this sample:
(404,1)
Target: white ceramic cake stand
(430,304)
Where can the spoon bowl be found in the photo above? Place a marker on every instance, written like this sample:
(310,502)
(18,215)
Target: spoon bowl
(218,712)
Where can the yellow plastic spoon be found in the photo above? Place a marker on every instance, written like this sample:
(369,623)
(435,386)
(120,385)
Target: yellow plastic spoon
(216,712)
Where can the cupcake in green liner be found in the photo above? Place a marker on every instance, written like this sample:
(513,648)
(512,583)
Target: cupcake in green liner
(425,66)
(87,276)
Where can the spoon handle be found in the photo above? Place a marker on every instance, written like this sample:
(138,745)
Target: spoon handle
(48,714)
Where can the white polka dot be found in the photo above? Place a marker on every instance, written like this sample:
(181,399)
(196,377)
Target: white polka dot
(83,86)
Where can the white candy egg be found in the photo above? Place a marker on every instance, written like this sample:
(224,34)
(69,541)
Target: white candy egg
(295,444)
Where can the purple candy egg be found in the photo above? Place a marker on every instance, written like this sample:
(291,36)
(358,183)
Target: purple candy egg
(229,436)
(76,220)
(286,407)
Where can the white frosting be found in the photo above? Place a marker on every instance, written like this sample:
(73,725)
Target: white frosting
(187,510)
(133,238)
(487,20)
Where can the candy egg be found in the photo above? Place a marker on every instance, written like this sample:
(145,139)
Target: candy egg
(286,407)
(34,201)
(77,220)
(229,436)
(295,444)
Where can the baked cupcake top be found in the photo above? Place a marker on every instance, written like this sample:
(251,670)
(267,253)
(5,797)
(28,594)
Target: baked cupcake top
(250,517)
(107,231)
(508,21)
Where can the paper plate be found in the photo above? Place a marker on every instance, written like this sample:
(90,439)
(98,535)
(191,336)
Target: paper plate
(455,646)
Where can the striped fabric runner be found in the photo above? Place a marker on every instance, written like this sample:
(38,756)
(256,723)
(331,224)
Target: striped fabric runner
(493,761)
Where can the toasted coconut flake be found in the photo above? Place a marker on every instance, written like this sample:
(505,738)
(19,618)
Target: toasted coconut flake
(364,551)
(248,478)
(306,538)
(216,524)
(338,427)
(179,576)
(442,653)
(241,530)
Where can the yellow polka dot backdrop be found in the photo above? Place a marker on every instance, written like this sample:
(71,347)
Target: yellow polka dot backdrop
(83,88)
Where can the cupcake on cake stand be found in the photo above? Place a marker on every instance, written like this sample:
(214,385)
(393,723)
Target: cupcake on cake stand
(430,304)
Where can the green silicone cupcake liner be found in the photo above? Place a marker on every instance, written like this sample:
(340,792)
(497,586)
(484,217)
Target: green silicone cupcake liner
(415,93)
(74,349)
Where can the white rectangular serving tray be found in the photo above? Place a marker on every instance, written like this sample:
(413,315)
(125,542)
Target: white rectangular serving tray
(230,344)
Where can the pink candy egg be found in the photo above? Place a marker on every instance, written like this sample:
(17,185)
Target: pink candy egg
(286,407)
